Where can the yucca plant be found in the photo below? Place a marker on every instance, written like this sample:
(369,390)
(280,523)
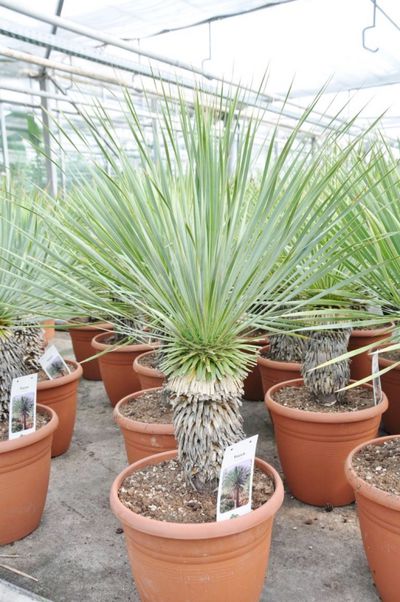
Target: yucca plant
(179,239)
(324,379)
(379,224)
(21,341)
(316,349)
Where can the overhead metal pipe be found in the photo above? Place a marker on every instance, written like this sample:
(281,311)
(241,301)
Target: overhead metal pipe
(28,58)
(88,32)
(50,64)
(66,98)
(93,55)
(69,48)
(4,144)
(99,77)
(54,28)
(117,42)
(47,137)
(19,103)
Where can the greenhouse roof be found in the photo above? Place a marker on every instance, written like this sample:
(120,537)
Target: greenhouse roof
(94,48)
(282,34)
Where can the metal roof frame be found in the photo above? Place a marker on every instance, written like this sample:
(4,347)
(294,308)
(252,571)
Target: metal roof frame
(50,41)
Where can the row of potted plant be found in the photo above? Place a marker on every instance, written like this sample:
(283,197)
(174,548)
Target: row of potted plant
(184,250)
(24,461)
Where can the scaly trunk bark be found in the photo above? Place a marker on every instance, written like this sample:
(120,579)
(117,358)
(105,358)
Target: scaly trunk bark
(287,348)
(11,366)
(204,428)
(19,354)
(33,343)
(237,497)
(324,383)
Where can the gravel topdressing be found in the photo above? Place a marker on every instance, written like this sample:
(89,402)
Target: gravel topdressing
(300,398)
(150,407)
(379,465)
(160,492)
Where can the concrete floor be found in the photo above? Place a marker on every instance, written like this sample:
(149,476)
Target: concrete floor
(77,555)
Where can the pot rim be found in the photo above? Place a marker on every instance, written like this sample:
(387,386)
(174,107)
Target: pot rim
(146,370)
(261,341)
(13,444)
(106,326)
(323,417)
(100,346)
(385,362)
(62,380)
(185,531)
(277,364)
(369,490)
(157,428)
(359,332)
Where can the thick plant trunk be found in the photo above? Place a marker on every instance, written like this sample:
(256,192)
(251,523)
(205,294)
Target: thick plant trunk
(287,348)
(204,428)
(11,366)
(237,497)
(33,343)
(126,327)
(324,382)
(19,354)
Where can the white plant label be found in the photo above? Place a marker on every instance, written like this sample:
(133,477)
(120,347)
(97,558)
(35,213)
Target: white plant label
(22,407)
(53,364)
(376,382)
(236,479)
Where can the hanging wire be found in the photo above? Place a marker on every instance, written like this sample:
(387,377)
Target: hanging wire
(370,27)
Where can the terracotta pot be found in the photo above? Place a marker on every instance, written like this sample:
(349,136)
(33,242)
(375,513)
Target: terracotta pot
(379,516)
(24,479)
(253,387)
(274,372)
(81,337)
(48,330)
(391,385)
(212,562)
(149,378)
(61,395)
(313,447)
(143,439)
(116,367)
(361,364)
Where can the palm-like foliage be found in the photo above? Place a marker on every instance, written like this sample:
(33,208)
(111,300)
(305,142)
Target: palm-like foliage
(324,379)
(381,222)
(379,233)
(21,303)
(25,407)
(181,240)
(316,349)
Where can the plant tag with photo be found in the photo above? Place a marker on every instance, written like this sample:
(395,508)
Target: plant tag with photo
(22,406)
(376,382)
(236,479)
(53,364)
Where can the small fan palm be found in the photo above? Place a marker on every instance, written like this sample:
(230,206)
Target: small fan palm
(237,480)
(25,409)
